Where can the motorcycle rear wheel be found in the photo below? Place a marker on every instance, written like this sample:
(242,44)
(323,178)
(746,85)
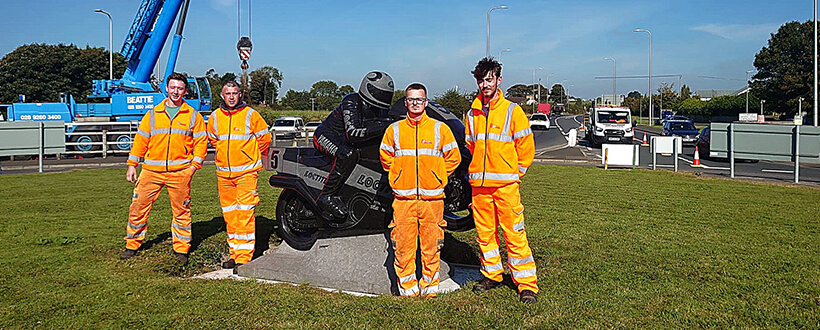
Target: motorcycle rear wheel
(290,210)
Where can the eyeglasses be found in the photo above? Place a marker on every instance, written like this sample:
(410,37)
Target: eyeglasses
(416,100)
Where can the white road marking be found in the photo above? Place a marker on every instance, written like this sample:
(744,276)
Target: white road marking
(777,171)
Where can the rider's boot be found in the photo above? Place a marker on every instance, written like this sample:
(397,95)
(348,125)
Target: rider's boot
(333,206)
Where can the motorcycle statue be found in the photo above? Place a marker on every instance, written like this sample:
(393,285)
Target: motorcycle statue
(301,173)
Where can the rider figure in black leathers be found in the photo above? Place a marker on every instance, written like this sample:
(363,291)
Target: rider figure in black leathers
(359,120)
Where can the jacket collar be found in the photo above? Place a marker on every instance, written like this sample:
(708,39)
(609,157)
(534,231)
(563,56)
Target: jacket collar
(182,108)
(239,107)
(421,121)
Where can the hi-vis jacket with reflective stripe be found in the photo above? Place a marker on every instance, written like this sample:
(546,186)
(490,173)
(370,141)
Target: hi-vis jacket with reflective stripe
(418,157)
(500,139)
(170,144)
(239,136)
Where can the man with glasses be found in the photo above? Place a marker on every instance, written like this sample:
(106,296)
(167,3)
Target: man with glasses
(172,144)
(418,153)
(358,121)
(501,142)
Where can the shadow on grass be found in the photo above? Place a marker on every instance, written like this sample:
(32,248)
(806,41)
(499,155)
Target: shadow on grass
(200,231)
(264,229)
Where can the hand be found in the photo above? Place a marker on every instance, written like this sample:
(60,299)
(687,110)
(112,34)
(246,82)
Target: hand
(193,170)
(131,174)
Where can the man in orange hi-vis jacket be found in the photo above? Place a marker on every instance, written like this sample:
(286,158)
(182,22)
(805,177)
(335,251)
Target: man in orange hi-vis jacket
(172,144)
(418,153)
(240,137)
(501,142)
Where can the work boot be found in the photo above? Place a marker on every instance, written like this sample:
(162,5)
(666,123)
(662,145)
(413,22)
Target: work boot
(128,253)
(528,297)
(334,206)
(182,257)
(485,285)
(229,264)
(236,268)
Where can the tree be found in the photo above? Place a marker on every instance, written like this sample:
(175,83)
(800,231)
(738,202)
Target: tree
(397,94)
(264,85)
(327,94)
(784,68)
(557,94)
(685,93)
(216,81)
(42,72)
(296,100)
(346,89)
(634,94)
(454,101)
(519,90)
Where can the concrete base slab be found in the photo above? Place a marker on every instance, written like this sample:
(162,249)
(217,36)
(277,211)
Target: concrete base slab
(357,263)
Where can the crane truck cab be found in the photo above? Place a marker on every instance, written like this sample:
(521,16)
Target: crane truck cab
(609,124)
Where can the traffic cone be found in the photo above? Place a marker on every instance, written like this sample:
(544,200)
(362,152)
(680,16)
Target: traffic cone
(582,125)
(696,162)
(644,143)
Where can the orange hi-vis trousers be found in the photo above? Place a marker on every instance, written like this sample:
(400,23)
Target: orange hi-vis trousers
(238,198)
(493,206)
(146,191)
(417,221)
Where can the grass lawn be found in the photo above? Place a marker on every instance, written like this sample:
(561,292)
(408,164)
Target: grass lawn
(619,248)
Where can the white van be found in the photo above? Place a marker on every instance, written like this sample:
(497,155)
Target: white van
(289,127)
(609,124)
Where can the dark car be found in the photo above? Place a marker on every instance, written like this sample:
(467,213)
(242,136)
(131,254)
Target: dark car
(704,146)
(685,129)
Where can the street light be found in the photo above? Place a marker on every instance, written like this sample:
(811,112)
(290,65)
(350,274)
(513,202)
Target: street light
(815,63)
(761,106)
(548,86)
(650,71)
(533,82)
(501,51)
(748,89)
(110,43)
(566,95)
(488,26)
(614,95)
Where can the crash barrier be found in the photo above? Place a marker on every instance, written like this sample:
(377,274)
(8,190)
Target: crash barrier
(665,145)
(785,143)
(620,155)
(100,138)
(32,138)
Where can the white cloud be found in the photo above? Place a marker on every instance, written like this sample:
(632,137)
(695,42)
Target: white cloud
(738,31)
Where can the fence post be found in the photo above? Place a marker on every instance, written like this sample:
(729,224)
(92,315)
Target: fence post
(105,143)
(675,152)
(731,151)
(41,147)
(796,153)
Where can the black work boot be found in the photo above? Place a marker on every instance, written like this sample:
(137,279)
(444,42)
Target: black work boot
(236,268)
(334,206)
(128,253)
(485,285)
(229,264)
(528,297)
(182,257)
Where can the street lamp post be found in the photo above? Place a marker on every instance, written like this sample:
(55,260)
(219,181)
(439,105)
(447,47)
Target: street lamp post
(110,43)
(761,106)
(566,95)
(614,95)
(539,91)
(748,89)
(488,26)
(548,86)
(501,51)
(650,71)
(533,82)
(815,63)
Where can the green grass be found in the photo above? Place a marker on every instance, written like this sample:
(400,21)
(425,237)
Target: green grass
(618,248)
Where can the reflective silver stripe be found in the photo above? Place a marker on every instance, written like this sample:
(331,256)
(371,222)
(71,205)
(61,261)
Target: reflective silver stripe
(516,261)
(181,237)
(138,235)
(508,119)
(523,273)
(426,152)
(193,121)
(408,292)
(407,278)
(490,254)
(396,136)
(199,134)
(261,132)
(248,119)
(212,135)
(469,138)
(492,268)
(214,119)
(246,237)
(246,246)
(387,147)
(235,207)
(519,226)
(471,124)
(522,169)
(422,192)
(437,136)
(137,227)
(178,227)
(143,133)
(430,290)
(134,158)
(499,137)
(151,120)
(239,168)
(449,146)
(495,176)
(170,162)
(180,131)
(428,279)
(236,137)
(198,159)
(522,133)
(156,131)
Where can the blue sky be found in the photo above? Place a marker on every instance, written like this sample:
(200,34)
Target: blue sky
(438,42)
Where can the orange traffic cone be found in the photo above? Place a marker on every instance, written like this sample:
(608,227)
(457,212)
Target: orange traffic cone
(582,125)
(696,162)
(644,143)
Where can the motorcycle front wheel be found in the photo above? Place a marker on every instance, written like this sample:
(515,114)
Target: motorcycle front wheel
(295,221)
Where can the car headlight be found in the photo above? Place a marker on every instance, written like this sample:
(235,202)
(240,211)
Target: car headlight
(598,129)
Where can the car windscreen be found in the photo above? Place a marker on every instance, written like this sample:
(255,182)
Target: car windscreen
(538,117)
(682,126)
(613,117)
(313,124)
(281,123)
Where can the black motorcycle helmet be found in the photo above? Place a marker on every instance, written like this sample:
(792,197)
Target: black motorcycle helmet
(377,89)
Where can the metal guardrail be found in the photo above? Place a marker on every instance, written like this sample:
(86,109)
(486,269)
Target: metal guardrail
(32,138)
(785,143)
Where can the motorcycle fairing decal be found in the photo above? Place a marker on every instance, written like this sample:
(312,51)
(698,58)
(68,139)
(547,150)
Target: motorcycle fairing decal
(313,177)
(369,180)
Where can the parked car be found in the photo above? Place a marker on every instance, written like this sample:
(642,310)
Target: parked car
(675,117)
(685,129)
(539,121)
(289,127)
(705,147)
(310,127)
